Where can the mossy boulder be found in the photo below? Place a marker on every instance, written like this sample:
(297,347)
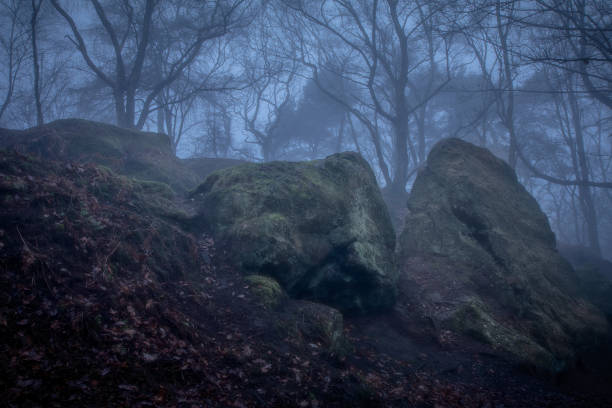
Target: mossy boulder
(142,155)
(315,325)
(268,293)
(320,228)
(479,254)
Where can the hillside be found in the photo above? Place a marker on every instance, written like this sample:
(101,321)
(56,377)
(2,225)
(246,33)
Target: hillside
(117,290)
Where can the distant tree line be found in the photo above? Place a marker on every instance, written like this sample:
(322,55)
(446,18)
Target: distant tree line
(300,79)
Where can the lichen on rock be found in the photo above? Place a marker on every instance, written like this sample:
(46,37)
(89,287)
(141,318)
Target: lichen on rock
(319,228)
(312,324)
(480,235)
(266,290)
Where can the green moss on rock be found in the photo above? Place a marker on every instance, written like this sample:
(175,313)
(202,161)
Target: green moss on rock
(310,323)
(320,228)
(267,291)
(483,237)
(472,318)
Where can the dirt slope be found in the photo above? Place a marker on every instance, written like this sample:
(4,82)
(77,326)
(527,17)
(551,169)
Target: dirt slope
(107,300)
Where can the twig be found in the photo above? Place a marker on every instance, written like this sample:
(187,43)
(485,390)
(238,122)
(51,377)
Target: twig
(105,259)
(39,257)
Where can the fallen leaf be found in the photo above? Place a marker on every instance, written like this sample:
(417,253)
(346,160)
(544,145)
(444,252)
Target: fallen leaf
(131,311)
(149,357)
(130,332)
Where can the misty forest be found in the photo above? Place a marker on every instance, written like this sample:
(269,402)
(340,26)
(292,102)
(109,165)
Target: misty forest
(306,203)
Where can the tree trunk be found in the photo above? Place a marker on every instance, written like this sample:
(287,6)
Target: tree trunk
(118,96)
(422,112)
(340,135)
(512,151)
(508,109)
(586,198)
(33,23)
(353,133)
(130,108)
(160,117)
(266,151)
(400,155)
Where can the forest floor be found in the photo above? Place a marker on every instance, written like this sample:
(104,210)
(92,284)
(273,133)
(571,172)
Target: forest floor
(73,334)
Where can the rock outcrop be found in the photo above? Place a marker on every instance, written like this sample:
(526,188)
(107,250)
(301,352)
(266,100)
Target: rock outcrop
(320,228)
(88,214)
(142,155)
(478,258)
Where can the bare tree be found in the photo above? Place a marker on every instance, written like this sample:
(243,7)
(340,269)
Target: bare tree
(490,30)
(267,103)
(570,115)
(582,26)
(215,139)
(128,30)
(13,40)
(380,37)
(36,6)
(179,105)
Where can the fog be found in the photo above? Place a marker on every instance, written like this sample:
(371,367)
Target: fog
(300,80)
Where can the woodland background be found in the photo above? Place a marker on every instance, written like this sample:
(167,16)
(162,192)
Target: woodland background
(294,79)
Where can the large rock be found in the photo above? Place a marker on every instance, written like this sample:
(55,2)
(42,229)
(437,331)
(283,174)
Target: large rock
(142,155)
(320,228)
(479,258)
